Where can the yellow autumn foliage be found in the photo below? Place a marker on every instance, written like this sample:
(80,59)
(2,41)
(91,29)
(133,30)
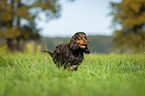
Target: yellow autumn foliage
(130,14)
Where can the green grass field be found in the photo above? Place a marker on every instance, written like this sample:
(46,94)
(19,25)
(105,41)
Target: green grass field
(98,75)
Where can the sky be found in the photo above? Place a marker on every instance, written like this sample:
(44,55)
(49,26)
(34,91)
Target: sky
(89,16)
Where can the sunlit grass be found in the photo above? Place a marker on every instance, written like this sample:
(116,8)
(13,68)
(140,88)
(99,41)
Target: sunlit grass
(98,75)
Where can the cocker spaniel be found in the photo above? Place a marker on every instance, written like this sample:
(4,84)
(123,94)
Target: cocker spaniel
(70,55)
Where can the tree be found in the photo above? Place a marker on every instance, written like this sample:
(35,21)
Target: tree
(130,15)
(18,18)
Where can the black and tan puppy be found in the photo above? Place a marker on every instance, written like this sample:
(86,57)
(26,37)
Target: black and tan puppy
(71,54)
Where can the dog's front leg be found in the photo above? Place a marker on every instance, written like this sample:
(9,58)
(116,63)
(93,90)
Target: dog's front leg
(72,67)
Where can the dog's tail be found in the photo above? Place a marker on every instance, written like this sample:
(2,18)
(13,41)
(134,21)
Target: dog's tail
(49,52)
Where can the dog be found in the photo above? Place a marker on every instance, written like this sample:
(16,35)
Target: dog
(70,55)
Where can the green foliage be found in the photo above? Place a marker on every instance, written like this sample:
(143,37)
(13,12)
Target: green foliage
(17,17)
(130,14)
(129,43)
(101,44)
(31,47)
(98,75)
(98,44)
(51,43)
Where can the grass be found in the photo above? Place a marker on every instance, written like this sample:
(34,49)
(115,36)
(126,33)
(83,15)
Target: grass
(98,75)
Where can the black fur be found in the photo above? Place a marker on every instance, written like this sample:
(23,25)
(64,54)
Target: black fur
(71,54)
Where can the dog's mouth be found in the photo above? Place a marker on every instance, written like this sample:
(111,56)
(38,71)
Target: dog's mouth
(82,46)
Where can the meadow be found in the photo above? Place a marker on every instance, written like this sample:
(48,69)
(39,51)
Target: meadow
(98,75)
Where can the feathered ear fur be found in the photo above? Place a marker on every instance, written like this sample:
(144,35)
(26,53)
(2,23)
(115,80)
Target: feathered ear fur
(73,39)
(73,42)
(74,46)
(87,51)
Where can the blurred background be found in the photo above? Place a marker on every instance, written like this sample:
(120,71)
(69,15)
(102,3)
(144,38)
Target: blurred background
(112,26)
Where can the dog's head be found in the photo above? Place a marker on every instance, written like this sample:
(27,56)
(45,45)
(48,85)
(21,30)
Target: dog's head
(80,39)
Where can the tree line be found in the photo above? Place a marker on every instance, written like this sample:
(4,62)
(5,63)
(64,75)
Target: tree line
(130,15)
(18,19)
(97,44)
(18,22)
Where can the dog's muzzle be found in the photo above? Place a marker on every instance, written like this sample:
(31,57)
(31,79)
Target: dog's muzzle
(82,43)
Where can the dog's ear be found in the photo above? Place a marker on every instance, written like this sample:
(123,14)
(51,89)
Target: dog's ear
(87,51)
(74,46)
(74,38)
(73,42)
